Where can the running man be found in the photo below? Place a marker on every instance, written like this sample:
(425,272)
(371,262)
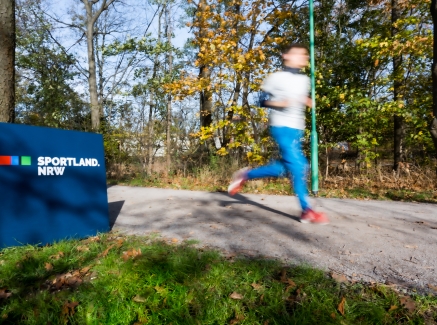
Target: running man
(288,97)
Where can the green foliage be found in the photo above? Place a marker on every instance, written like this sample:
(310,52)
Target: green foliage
(45,76)
(354,87)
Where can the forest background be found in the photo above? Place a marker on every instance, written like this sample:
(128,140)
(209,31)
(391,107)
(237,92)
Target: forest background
(173,86)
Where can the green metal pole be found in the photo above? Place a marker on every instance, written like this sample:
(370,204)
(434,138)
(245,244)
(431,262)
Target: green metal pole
(314,137)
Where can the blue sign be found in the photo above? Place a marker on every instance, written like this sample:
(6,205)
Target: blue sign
(52,185)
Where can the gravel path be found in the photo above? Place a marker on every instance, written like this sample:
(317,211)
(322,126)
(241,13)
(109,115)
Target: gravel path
(380,241)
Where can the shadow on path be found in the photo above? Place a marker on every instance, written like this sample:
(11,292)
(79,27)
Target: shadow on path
(246,200)
(114,210)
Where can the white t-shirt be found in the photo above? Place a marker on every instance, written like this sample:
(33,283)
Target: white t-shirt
(283,85)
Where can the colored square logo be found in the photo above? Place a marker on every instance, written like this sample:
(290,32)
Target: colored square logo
(15,160)
(5,160)
(25,161)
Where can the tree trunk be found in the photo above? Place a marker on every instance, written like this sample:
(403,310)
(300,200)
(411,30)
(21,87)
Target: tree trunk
(246,76)
(204,74)
(205,99)
(238,78)
(433,126)
(230,114)
(7,61)
(91,18)
(149,156)
(150,130)
(170,71)
(399,128)
(92,78)
(100,64)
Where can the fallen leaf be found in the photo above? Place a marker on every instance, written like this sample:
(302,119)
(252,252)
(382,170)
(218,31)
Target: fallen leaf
(393,307)
(85,270)
(284,278)
(339,277)
(238,318)
(106,251)
(5,293)
(340,307)
(131,253)
(256,286)
(92,239)
(48,267)
(432,287)
(235,295)
(291,283)
(159,289)
(82,248)
(68,309)
(138,298)
(174,240)
(120,243)
(57,256)
(58,282)
(408,303)
(73,281)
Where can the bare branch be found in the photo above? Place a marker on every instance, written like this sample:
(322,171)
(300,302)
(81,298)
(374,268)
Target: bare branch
(76,63)
(64,23)
(104,7)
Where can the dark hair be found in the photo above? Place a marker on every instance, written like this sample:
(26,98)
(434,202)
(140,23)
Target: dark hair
(289,47)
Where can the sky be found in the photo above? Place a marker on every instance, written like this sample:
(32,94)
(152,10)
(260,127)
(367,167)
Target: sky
(133,17)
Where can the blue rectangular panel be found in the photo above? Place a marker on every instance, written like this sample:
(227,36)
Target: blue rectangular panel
(15,160)
(59,189)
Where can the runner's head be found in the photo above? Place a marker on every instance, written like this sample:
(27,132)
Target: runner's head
(295,56)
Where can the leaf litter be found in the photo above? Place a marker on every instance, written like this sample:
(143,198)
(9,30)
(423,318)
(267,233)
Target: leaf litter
(340,307)
(68,309)
(235,295)
(68,280)
(132,253)
(5,293)
(408,303)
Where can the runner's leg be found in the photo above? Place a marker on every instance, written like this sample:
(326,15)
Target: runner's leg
(293,160)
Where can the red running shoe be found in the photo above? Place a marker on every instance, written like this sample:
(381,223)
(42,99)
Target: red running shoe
(311,216)
(238,180)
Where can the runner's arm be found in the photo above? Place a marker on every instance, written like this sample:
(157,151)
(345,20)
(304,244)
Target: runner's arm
(309,102)
(277,104)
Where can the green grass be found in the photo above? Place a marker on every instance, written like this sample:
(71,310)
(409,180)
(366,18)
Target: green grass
(144,280)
